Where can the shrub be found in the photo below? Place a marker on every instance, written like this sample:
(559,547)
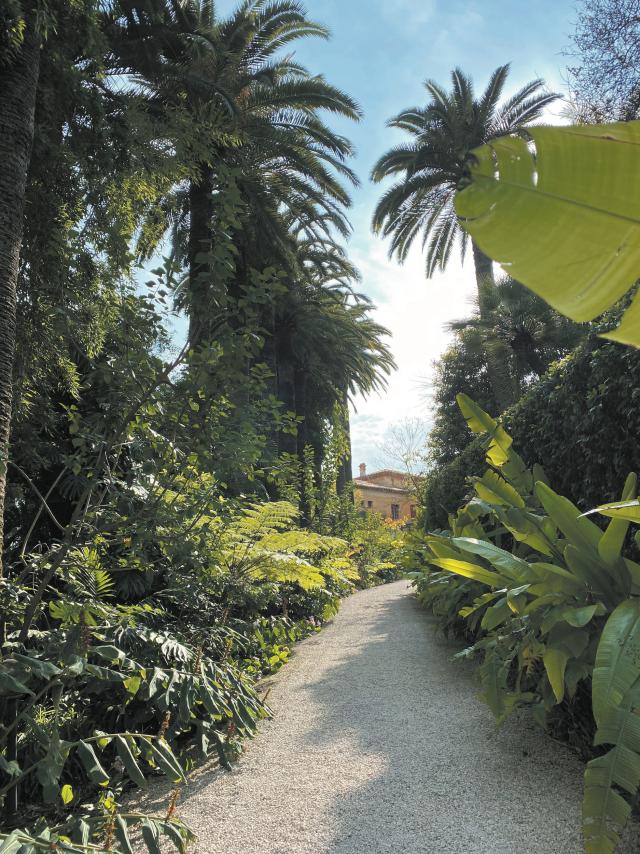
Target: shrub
(588,404)
(552,604)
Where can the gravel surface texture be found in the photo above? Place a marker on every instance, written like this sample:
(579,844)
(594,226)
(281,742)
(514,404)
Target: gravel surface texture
(379,744)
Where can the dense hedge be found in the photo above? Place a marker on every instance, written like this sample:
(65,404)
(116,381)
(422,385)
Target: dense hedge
(445,487)
(581,422)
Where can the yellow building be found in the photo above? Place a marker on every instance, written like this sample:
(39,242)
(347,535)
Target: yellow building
(387,492)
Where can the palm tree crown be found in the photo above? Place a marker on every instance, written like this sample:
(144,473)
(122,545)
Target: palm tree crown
(433,162)
(520,328)
(251,110)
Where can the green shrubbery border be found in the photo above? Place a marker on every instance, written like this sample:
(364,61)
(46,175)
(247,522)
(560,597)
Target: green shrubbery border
(581,421)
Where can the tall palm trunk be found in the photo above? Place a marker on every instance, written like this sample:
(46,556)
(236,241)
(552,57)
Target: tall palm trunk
(18,85)
(497,368)
(345,472)
(200,248)
(287,441)
(302,441)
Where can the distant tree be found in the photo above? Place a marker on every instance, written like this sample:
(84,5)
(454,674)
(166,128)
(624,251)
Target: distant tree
(432,165)
(404,445)
(461,368)
(605,80)
(521,329)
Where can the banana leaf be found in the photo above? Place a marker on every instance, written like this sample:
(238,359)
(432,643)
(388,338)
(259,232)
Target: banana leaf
(561,212)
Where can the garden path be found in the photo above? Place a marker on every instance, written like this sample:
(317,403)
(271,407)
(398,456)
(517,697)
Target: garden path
(379,744)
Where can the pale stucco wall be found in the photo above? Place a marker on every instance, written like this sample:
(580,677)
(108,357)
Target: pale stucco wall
(381,501)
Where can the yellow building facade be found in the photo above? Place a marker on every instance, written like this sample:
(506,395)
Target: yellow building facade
(386,492)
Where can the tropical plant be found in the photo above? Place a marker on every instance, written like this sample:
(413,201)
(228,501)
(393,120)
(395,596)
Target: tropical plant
(148,580)
(587,400)
(23,27)
(263,542)
(551,578)
(432,165)
(462,368)
(581,251)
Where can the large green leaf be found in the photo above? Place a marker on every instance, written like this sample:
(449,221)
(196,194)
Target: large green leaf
(495,490)
(479,421)
(617,666)
(562,213)
(92,766)
(580,532)
(471,570)
(129,761)
(610,546)
(616,703)
(526,528)
(555,662)
(625,510)
(511,565)
(161,754)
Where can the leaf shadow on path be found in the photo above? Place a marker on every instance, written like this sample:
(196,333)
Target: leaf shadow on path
(440,776)
(378,745)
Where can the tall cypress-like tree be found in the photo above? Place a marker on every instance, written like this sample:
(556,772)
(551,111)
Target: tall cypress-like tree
(19,70)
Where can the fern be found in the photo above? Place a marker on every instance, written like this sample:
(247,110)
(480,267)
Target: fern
(262,542)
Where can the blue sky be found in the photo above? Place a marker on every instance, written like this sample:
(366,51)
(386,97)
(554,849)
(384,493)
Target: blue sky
(380,52)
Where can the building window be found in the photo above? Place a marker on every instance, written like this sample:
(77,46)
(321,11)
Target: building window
(395,511)
(369,504)
(362,504)
(413,511)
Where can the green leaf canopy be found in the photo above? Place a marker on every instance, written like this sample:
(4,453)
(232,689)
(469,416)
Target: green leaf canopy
(561,212)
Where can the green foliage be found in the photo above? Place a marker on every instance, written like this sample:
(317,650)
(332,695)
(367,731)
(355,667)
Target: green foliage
(432,163)
(462,369)
(172,505)
(561,608)
(587,400)
(517,326)
(558,208)
(139,623)
(446,486)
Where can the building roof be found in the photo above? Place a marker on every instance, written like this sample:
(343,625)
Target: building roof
(383,471)
(359,483)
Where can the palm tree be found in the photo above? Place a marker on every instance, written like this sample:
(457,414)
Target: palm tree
(519,328)
(432,165)
(327,346)
(251,111)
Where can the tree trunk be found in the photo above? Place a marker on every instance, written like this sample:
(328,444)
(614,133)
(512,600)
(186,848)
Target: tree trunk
(287,441)
(269,356)
(302,442)
(200,248)
(18,85)
(497,368)
(345,472)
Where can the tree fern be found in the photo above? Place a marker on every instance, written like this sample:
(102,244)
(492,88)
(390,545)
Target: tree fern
(262,542)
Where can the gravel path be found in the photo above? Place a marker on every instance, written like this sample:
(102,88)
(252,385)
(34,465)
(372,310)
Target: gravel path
(379,744)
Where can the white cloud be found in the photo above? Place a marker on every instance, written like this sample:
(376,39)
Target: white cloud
(409,14)
(415,311)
